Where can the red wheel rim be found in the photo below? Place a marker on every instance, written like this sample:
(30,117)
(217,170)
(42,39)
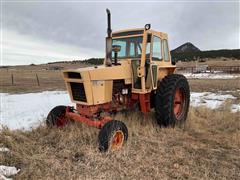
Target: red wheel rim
(61,121)
(178,103)
(117,140)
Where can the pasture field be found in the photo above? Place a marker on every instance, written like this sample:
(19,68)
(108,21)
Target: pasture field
(206,147)
(210,62)
(22,79)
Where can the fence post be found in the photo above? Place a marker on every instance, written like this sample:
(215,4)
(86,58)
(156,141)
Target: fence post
(12,79)
(37,80)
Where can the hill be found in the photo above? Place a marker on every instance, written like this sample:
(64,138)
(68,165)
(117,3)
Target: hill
(189,52)
(186,47)
(192,56)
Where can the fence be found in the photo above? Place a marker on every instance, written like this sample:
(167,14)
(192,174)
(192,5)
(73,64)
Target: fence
(210,69)
(25,79)
(13,81)
(17,79)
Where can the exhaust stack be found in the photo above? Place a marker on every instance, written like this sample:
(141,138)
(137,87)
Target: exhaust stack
(109,40)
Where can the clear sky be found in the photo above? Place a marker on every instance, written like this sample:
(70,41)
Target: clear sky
(44,31)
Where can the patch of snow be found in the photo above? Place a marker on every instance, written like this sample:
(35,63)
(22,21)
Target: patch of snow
(235,108)
(208,99)
(26,111)
(3,149)
(4,178)
(7,171)
(210,76)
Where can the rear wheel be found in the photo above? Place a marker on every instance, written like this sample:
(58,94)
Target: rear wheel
(112,136)
(172,100)
(56,117)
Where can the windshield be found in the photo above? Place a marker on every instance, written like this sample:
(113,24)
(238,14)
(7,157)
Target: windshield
(130,47)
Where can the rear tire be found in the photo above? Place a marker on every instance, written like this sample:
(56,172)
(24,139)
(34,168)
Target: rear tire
(56,117)
(112,136)
(172,100)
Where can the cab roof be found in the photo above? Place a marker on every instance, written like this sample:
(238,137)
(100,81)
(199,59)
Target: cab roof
(137,32)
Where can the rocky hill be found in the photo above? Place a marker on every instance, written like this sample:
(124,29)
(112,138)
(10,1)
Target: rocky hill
(189,52)
(186,47)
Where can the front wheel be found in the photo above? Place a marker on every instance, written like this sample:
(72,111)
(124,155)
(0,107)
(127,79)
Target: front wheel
(172,100)
(56,117)
(112,136)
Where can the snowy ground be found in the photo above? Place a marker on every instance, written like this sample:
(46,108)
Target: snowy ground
(7,171)
(26,111)
(210,76)
(210,100)
(3,149)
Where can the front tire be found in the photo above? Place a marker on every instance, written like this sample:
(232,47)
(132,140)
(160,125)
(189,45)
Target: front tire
(56,117)
(112,136)
(172,100)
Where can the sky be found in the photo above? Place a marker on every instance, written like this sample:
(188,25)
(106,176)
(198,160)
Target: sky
(45,31)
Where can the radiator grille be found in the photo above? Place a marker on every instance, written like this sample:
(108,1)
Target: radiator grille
(78,92)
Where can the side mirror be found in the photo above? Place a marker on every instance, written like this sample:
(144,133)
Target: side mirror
(116,49)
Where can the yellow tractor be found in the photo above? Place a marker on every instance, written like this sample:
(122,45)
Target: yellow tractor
(137,72)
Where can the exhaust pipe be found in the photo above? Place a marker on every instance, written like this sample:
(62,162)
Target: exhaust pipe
(109,30)
(109,40)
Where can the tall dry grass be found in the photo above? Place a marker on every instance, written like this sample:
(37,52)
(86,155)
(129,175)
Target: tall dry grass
(206,147)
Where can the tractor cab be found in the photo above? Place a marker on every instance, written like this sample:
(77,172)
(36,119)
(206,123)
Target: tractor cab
(146,50)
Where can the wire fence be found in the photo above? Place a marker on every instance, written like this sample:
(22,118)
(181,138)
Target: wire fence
(31,78)
(210,69)
(54,77)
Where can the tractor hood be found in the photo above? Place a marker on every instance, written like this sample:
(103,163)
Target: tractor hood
(93,85)
(101,72)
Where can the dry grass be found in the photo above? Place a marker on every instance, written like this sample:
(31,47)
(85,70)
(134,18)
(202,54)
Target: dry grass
(207,147)
(214,85)
(25,77)
(26,81)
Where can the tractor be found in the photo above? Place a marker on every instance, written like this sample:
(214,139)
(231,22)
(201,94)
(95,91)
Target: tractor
(137,72)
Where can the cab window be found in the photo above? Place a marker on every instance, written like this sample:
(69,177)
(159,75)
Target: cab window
(166,51)
(148,45)
(123,44)
(157,50)
(130,47)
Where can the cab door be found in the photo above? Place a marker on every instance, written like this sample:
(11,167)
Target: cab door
(141,66)
(156,56)
(148,64)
